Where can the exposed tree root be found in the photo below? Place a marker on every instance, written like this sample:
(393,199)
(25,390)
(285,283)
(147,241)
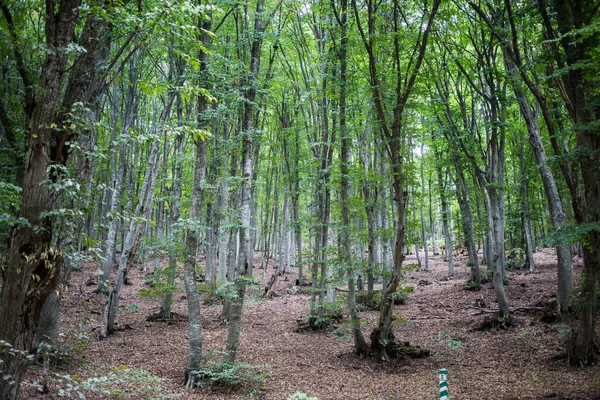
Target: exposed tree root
(393,350)
(495,323)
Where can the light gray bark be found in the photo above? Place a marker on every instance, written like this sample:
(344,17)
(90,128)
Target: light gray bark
(423,230)
(144,202)
(557,212)
(118,175)
(194,359)
(464,203)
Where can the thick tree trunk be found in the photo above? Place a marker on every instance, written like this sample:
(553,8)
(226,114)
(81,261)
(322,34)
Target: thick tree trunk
(32,271)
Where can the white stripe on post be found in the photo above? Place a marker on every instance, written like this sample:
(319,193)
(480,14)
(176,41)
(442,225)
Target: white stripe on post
(443,384)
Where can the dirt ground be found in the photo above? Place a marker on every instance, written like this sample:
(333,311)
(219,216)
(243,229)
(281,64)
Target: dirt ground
(525,362)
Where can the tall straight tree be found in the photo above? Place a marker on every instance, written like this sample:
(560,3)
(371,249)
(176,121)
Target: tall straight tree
(341,16)
(246,252)
(404,74)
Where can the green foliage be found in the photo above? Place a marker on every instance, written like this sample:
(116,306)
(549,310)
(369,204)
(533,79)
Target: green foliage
(132,308)
(70,347)
(297,395)
(402,294)
(7,348)
(341,333)
(447,344)
(120,381)
(573,234)
(158,284)
(231,375)
(563,332)
(10,198)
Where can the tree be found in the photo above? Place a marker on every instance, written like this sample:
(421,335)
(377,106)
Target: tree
(571,28)
(382,336)
(34,260)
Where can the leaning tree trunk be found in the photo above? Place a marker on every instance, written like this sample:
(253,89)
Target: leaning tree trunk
(144,203)
(118,175)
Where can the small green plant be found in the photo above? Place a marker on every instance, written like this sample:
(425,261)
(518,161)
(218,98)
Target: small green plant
(119,381)
(447,343)
(401,294)
(68,349)
(563,331)
(133,308)
(7,348)
(341,333)
(225,374)
(297,395)
(527,338)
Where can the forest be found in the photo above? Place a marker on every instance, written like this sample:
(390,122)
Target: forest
(286,199)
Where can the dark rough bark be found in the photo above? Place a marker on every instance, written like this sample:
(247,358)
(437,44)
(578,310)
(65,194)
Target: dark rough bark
(574,52)
(33,266)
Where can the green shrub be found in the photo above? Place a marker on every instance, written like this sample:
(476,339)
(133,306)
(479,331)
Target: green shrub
(69,348)
(231,375)
(120,381)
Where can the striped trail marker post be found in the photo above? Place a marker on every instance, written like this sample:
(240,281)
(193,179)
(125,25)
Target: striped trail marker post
(443,384)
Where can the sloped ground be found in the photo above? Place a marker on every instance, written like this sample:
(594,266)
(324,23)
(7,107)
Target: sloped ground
(520,363)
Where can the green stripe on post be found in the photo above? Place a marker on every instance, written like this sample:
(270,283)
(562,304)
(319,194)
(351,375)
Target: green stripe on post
(443,384)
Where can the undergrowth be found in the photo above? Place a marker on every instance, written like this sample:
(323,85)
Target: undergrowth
(221,373)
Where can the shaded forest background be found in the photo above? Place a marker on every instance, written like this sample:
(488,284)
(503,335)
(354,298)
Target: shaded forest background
(325,141)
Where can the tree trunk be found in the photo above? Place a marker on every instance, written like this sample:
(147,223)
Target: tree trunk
(445,217)
(118,175)
(194,360)
(423,231)
(144,203)
(464,203)
(32,271)
(165,307)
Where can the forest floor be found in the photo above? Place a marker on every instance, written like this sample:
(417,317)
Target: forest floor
(526,361)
